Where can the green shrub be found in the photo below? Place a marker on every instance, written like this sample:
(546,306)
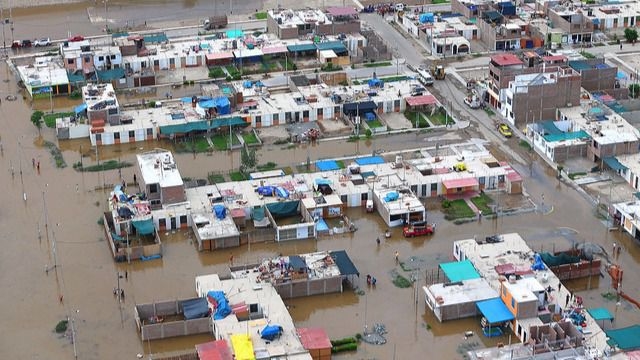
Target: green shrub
(446,204)
(62,326)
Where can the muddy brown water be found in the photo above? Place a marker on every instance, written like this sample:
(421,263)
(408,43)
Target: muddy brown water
(86,273)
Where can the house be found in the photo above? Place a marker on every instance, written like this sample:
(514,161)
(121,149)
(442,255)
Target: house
(577,27)
(160,179)
(246,314)
(45,76)
(611,17)
(293,24)
(598,76)
(538,95)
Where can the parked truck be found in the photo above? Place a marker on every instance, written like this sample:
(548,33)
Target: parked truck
(215,22)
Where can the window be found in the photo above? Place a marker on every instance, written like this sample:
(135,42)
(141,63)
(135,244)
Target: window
(143,65)
(100,58)
(481,180)
(156,62)
(364,196)
(113,111)
(116,136)
(258,119)
(149,132)
(511,114)
(153,188)
(287,116)
(87,59)
(336,111)
(513,303)
(424,189)
(320,112)
(396,103)
(434,187)
(305,114)
(132,134)
(172,61)
(113,57)
(509,100)
(276,117)
(183,219)
(500,178)
(70,61)
(98,137)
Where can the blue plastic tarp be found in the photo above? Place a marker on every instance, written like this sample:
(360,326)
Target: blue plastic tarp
(80,108)
(327,165)
(320,181)
(426,18)
(144,227)
(391,196)
(271,332)
(220,211)
(282,192)
(537,263)
(247,84)
(370,160)
(195,308)
(266,190)
(495,311)
(222,305)
(370,116)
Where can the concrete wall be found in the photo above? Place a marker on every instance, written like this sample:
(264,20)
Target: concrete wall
(143,312)
(459,311)
(293,289)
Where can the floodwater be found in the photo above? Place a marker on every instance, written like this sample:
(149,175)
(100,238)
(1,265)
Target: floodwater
(62,208)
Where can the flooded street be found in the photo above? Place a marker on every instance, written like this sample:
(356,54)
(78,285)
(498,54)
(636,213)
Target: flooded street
(62,207)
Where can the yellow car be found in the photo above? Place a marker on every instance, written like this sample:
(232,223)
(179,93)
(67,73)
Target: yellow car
(504,130)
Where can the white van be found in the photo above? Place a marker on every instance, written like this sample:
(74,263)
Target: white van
(424,77)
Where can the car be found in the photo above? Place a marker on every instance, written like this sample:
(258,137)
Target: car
(76,38)
(504,130)
(42,42)
(21,44)
(419,228)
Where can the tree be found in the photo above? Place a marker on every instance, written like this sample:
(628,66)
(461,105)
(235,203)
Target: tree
(631,35)
(634,90)
(36,119)
(247,159)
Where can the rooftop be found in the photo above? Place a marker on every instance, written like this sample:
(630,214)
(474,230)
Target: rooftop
(462,292)
(202,201)
(292,18)
(159,167)
(524,289)
(506,59)
(604,129)
(45,71)
(264,296)
(99,97)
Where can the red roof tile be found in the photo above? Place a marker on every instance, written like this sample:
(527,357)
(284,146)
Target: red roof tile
(506,59)
(314,338)
(459,183)
(421,100)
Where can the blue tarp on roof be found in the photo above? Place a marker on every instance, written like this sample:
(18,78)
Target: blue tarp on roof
(119,35)
(327,165)
(220,211)
(495,311)
(195,308)
(110,75)
(370,160)
(185,128)
(222,305)
(234,33)
(221,103)
(459,270)
(567,136)
(271,332)
(80,108)
(297,263)
(301,47)
(613,163)
(156,38)
(336,46)
(625,339)
(579,65)
(600,314)
(230,121)
(344,263)
(143,227)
